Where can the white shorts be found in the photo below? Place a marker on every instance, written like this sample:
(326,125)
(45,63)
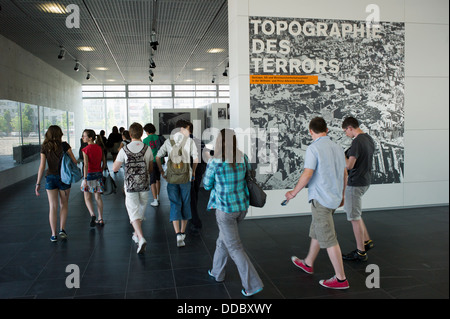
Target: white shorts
(136,203)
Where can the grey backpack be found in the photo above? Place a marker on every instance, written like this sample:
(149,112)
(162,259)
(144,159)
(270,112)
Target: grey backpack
(177,171)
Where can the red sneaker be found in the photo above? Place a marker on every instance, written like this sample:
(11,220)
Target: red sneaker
(301,264)
(333,283)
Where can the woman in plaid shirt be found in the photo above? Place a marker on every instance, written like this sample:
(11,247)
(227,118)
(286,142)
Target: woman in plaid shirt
(225,177)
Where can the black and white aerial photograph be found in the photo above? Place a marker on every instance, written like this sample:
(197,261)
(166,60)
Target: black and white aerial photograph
(360,74)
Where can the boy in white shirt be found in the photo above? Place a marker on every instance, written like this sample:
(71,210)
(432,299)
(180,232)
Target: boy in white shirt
(138,159)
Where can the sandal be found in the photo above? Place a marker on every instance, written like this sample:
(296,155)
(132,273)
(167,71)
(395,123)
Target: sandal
(100,222)
(92,224)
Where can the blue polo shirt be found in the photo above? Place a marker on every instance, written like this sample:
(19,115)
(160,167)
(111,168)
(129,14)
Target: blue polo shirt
(327,159)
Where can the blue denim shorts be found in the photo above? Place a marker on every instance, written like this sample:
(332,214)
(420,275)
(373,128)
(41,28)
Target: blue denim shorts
(54,182)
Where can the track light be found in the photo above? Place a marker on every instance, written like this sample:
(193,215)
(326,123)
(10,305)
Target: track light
(62,54)
(154,42)
(151,73)
(213,79)
(150,78)
(88,76)
(77,66)
(152,64)
(225,73)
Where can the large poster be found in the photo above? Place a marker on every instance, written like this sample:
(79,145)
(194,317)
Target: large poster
(303,68)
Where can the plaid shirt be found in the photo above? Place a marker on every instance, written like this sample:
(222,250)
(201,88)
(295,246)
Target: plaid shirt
(229,192)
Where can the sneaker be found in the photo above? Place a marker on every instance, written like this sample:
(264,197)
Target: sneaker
(333,283)
(53,238)
(301,264)
(180,240)
(248,294)
(63,234)
(135,238)
(368,245)
(155,203)
(142,245)
(355,255)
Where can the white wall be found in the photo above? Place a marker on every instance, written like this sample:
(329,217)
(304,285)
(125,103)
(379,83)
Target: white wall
(426,179)
(27,79)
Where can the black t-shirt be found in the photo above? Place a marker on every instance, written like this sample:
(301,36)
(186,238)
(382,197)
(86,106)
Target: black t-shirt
(54,158)
(362,148)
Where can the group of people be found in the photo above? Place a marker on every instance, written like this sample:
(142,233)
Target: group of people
(334,178)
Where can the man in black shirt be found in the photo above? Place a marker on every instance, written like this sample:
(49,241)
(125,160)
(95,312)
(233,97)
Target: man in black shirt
(359,158)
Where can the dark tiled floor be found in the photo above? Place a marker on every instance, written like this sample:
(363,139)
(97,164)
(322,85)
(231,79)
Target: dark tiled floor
(412,247)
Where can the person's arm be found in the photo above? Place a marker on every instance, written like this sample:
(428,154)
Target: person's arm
(210,178)
(116,166)
(104,162)
(72,157)
(350,162)
(302,182)
(40,173)
(345,186)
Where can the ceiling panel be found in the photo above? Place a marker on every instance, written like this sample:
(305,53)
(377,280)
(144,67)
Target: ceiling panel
(120,33)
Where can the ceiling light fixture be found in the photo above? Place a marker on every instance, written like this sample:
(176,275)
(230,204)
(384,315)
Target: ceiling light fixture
(198,69)
(77,66)
(86,48)
(216,50)
(101,68)
(88,76)
(213,79)
(52,8)
(62,54)
(150,78)
(151,73)
(225,73)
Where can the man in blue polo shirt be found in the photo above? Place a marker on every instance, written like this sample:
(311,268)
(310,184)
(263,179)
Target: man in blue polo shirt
(326,177)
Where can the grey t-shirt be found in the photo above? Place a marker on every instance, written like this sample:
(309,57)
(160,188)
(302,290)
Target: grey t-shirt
(362,148)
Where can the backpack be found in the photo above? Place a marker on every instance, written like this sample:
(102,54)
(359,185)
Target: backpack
(137,178)
(177,171)
(70,172)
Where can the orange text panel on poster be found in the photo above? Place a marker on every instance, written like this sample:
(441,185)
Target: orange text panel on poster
(284,79)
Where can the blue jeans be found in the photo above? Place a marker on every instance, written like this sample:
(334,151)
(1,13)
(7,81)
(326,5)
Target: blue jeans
(180,201)
(54,182)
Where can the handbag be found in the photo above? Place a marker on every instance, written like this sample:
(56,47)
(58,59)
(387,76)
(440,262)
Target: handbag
(109,183)
(257,195)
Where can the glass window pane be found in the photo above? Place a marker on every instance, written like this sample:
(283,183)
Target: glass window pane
(30,124)
(92,88)
(92,94)
(184,87)
(205,94)
(139,111)
(116,110)
(160,88)
(138,94)
(183,103)
(162,94)
(114,94)
(94,115)
(206,88)
(199,103)
(139,88)
(9,137)
(184,94)
(114,87)
(161,103)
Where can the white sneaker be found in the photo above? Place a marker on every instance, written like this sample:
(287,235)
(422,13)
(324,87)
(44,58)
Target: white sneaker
(142,245)
(135,238)
(155,203)
(180,240)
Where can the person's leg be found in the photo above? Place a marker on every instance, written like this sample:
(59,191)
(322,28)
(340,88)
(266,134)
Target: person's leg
(185,196)
(89,204)
(53,209)
(335,255)
(314,249)
(99,200)
(228,226)
(64,207)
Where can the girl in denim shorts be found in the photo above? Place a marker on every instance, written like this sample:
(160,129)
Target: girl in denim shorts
(52,151)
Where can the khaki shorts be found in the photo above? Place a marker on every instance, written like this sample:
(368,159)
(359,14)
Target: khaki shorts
(322,225)
(353,201)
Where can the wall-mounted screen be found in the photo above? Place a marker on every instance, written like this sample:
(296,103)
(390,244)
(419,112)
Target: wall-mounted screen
(168,120)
